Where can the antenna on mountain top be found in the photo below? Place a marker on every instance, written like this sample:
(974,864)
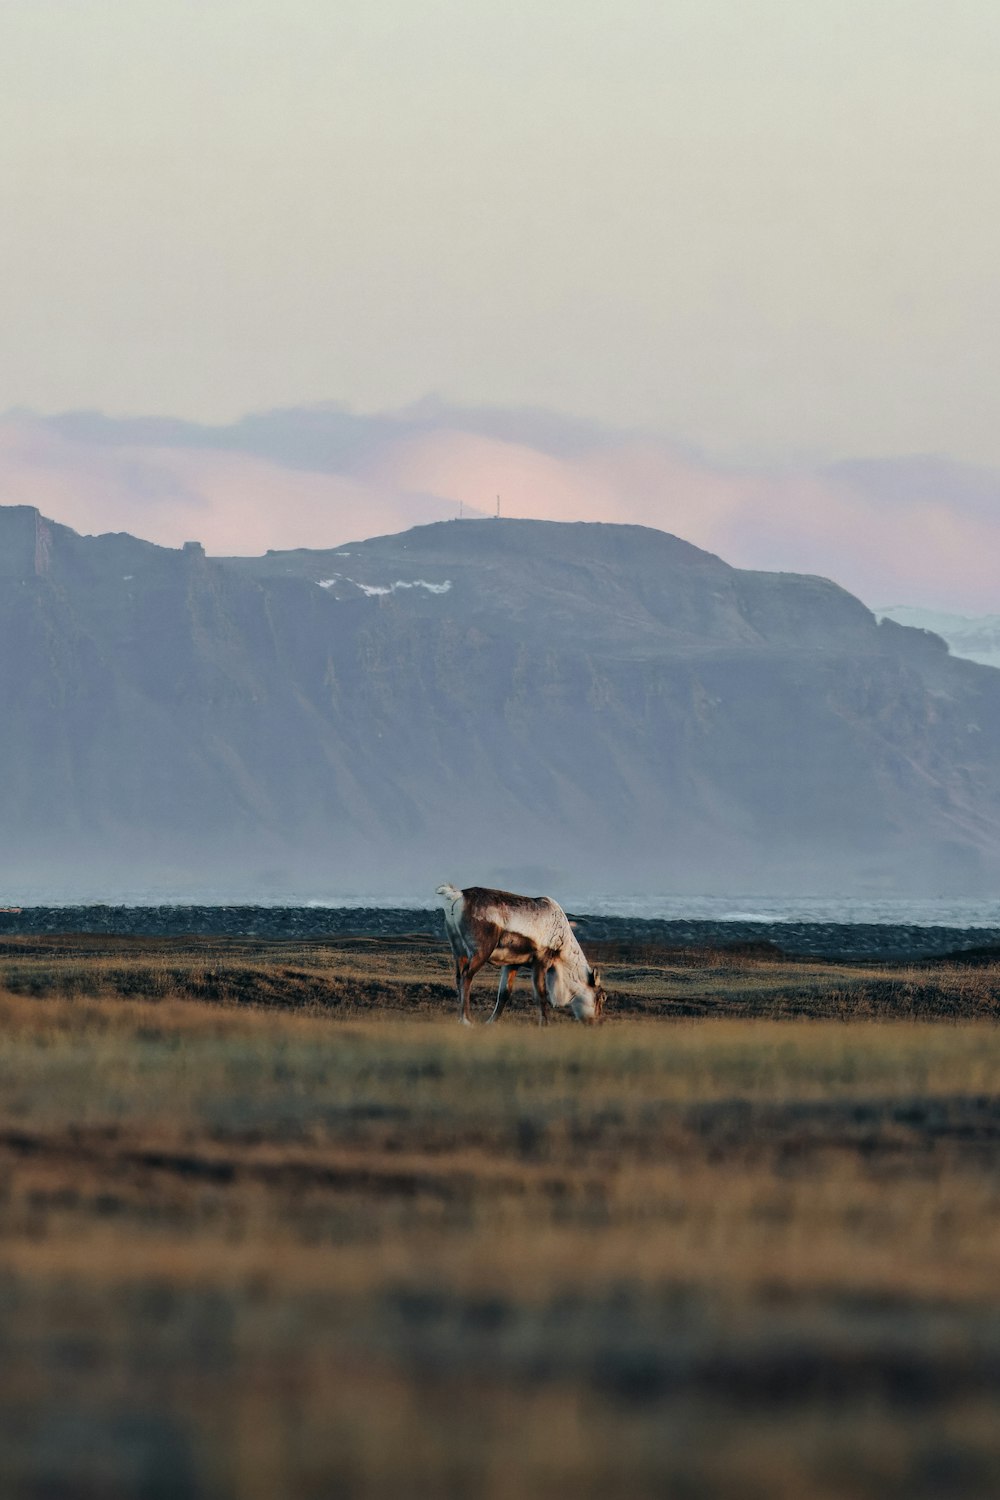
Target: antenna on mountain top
(498,508)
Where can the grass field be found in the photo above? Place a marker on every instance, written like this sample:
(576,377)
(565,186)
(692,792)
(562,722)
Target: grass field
(273,1225)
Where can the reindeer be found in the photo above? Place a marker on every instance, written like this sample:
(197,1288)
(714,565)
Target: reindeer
(509,931)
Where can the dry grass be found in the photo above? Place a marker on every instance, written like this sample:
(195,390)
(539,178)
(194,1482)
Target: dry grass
(357,977)
(310,1239)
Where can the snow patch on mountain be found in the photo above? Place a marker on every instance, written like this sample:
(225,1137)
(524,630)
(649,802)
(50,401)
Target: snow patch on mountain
(373,590)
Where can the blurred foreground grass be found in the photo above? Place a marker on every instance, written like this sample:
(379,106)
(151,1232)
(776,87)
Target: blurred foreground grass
(310,1240)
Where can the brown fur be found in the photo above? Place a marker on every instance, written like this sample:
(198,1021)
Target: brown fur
(512,932)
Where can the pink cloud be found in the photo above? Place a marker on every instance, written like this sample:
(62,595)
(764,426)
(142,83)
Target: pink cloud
(931,552)
(926,541)
(232,502)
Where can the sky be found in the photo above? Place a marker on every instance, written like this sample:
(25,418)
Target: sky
(760,226)
(766,231)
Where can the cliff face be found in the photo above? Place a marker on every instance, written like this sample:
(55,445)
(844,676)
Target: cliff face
(524,701)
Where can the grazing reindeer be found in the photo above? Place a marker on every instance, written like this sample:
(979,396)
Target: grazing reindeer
(510,931)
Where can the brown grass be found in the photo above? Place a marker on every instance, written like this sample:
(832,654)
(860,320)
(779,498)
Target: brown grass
(269,1226)
(357,977)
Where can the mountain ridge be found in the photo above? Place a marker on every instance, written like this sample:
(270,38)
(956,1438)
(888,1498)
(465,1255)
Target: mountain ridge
(297,476)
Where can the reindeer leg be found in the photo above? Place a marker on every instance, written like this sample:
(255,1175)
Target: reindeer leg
(541,995)
(463,975)
(472,949)
(470,967)
(507,976)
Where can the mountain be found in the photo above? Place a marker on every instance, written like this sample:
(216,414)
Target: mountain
(974,637)
(585,706)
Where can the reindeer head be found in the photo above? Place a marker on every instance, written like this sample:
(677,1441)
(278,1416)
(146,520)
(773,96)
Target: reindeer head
(576,988)
(588,1002)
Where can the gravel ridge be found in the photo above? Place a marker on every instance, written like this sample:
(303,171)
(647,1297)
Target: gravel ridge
(834,940)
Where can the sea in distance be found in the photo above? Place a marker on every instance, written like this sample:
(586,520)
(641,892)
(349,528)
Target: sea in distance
(943,911)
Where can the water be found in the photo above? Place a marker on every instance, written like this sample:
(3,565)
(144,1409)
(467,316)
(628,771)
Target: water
(893,911)
(889,910)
